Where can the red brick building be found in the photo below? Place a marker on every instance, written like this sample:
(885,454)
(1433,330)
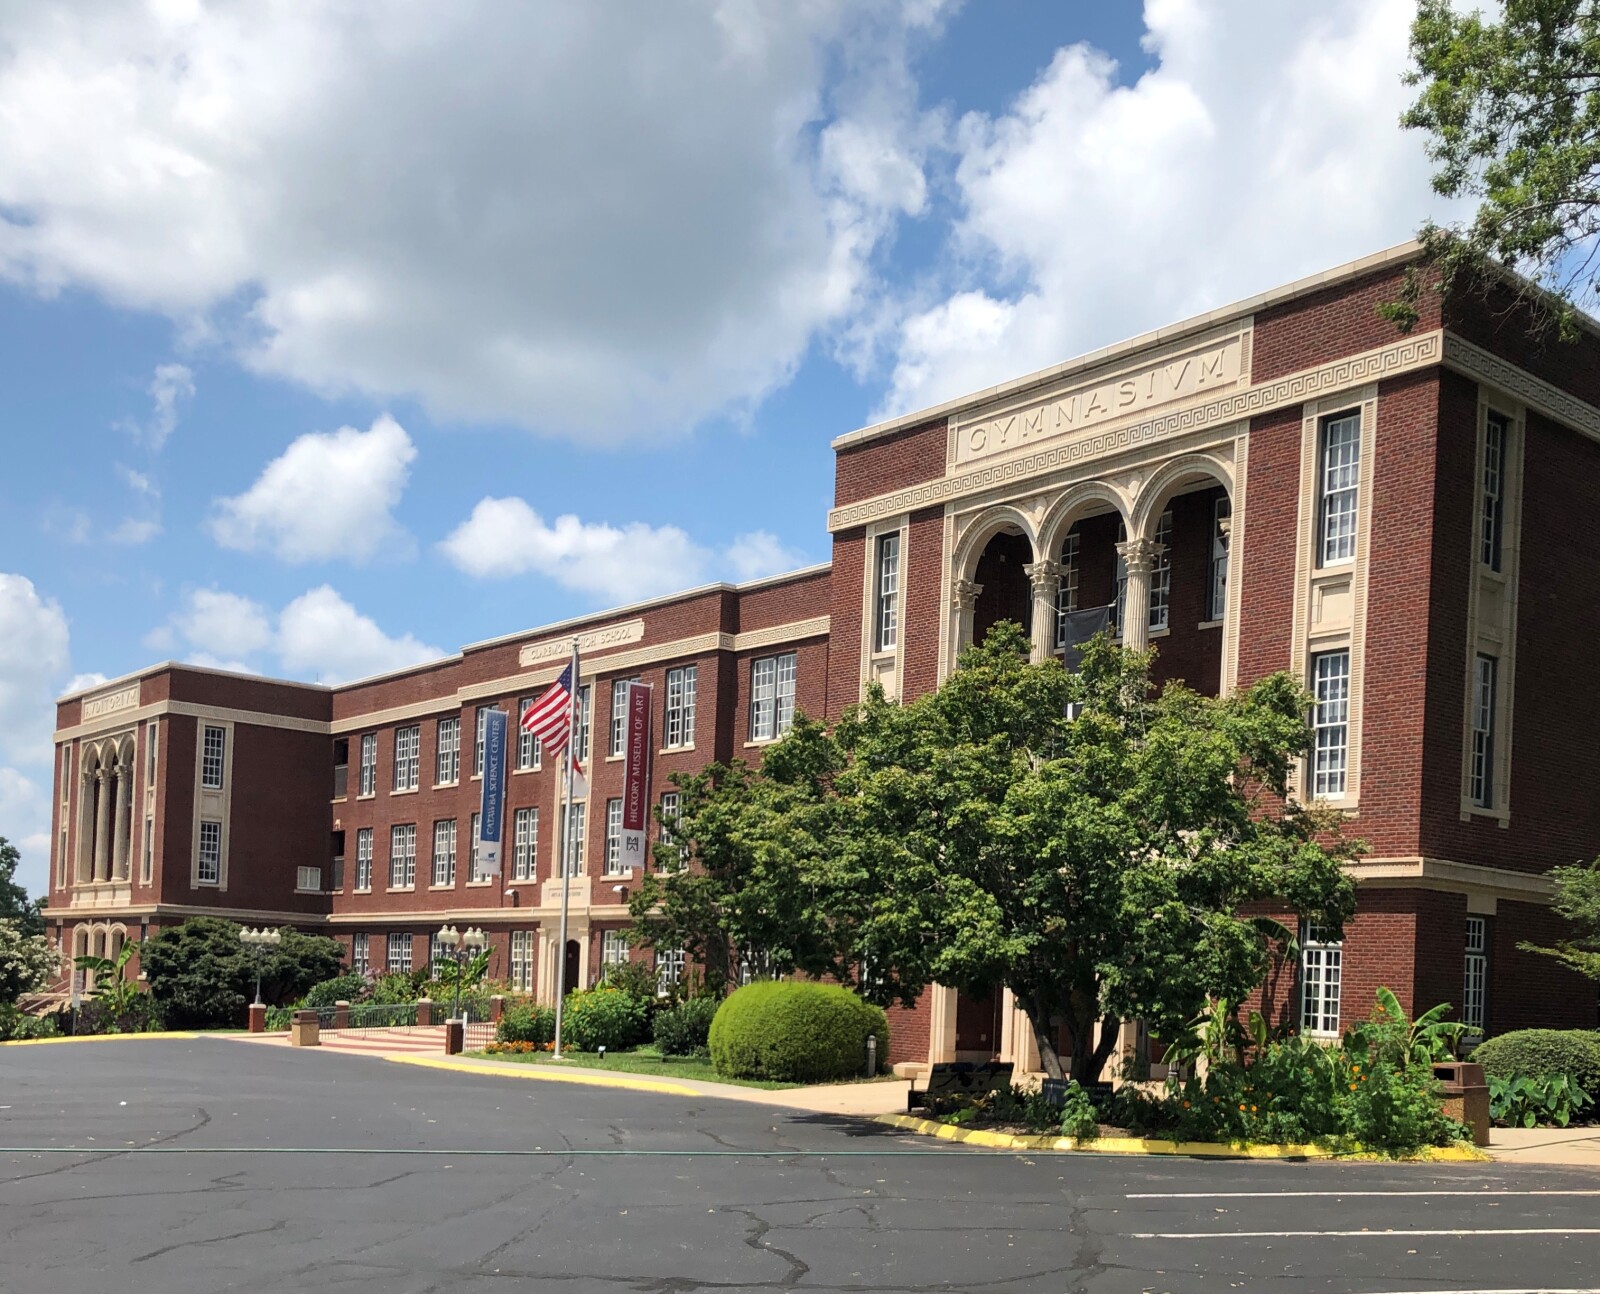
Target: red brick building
(1286,482)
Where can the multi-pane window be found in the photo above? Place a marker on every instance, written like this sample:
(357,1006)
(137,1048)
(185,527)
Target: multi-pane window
(447,764)
(398,961)
(308,878)
(1339,467)
(444,852)
(403,855)
(152,734)
(407,757)
(585,713)
(361,953)
(1494,485)
(439,953)
(614,865)
(364,858)
(1067,593)
(669,968)
(619,716)
(1484,674)
(772,682)
(525,845)
(523,943)
(680,706)
(669,816)
(147,866)
(1320,969)
(369,764)
(613,950)
(477,741)
(528,752)
(577,820)
(1161,574)
(1330,722)
(209,871)
(1475,985)
(1217,586)
(886,596)
(211,757)
(479,870)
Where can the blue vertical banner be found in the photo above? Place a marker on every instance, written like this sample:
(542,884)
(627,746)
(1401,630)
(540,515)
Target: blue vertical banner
(491,814)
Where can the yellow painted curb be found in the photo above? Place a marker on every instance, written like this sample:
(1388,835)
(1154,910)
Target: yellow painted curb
(538,1072)
(1154,1146)
(96,1037)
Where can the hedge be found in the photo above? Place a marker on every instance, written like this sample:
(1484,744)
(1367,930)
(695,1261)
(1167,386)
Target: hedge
(603,1017)
(682,1030)
(525,1022)
(795,1031)
(1537,1053)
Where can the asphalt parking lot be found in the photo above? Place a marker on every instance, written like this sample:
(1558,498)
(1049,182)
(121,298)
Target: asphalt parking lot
(178,1166)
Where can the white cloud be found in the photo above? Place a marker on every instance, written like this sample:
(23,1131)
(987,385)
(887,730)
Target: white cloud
(356,479)
(79,682)
(599,220)
(1261,146)
(318,636)
(171,385)
(506,537)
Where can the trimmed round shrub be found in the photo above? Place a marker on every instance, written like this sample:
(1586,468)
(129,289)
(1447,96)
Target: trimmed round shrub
(602,1017)
(795,1032)
(685,1029)
(526,1022)
(1538,1053)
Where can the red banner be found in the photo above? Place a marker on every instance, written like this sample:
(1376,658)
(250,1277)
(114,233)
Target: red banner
(637,753)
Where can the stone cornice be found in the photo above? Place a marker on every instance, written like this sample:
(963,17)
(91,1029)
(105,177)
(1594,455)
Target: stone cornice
(1548,399)
(1446,874)
(1402,356)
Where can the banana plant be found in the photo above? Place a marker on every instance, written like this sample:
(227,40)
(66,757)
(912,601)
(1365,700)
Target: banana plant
(111,985)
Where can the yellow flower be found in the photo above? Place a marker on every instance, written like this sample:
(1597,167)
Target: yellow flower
(1352,1087)
(1252,1109)
(1241,1107)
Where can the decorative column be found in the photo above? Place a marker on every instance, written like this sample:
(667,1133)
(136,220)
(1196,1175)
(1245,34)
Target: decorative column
(102,824)
(1139,555)
(83,842)
(119,840)
(1045,580)
(964,601)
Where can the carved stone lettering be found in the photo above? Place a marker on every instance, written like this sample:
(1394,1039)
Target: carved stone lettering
(1214,366)
(124,698)
(593,640)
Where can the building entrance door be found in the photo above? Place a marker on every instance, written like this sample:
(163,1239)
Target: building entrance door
(570,972)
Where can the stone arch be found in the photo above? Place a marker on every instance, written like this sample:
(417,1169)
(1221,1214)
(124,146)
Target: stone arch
(975,537)
(1165,481)
(1071,507)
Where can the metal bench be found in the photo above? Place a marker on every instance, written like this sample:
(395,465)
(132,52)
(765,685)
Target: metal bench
(960,1078)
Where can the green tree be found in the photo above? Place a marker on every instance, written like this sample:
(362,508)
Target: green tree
(27,961)
(201,974)
(15,905)
(111,983)
(1512,110)
(1577,898)
(747,867)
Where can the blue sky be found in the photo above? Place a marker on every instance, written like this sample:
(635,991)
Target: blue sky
(311,328)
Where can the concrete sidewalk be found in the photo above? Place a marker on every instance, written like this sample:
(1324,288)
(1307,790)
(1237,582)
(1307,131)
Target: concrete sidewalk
(1567,1147)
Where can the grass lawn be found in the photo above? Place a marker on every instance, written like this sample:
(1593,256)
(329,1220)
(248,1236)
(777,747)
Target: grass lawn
(644,1060)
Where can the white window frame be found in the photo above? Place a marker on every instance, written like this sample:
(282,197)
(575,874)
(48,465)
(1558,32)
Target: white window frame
(772,690)
(669,813)
(152,746)
(368,783)
(363,859)
(1321,977)
(308,880)
(1067,591)
(397,953)
(613,863)
(530,756)
(477,872)
(525,845)
(403,856)
(407,757)
(213,757)
(444,852)
(1338,487)
(577,828)
(1330,724)
(670,964)
(477,740)
(523,952)
(147,863)
(585,715)
(682,684)
(1217,571)
(1161,576)
(886,593)
(619,717)
(447,756)
(613,950)
(1496,441)
(208,862)
(1481,788)
(361,954)
(1475,976)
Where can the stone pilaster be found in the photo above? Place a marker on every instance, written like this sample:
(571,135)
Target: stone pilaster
(1044,578)
(102,825)
(964,601)
(1139,556)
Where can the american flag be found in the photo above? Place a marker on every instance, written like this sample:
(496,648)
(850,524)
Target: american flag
(550,717)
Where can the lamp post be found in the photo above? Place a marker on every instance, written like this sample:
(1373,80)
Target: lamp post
(461,943)
(259,939)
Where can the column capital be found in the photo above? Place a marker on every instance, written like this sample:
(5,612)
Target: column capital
(1140,555)
(964,595)
(1045,577)
(102,775)
(1225,527)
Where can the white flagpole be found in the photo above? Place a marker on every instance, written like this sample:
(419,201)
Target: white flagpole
(573,715)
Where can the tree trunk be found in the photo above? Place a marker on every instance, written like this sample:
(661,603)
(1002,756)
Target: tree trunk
(1044,1036)
(1088,1063)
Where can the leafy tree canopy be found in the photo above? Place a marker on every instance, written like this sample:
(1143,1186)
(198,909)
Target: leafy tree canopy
(1101,867)
(1577,898)
(202,974)
(15,905)
(1512,110)
(27,961)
